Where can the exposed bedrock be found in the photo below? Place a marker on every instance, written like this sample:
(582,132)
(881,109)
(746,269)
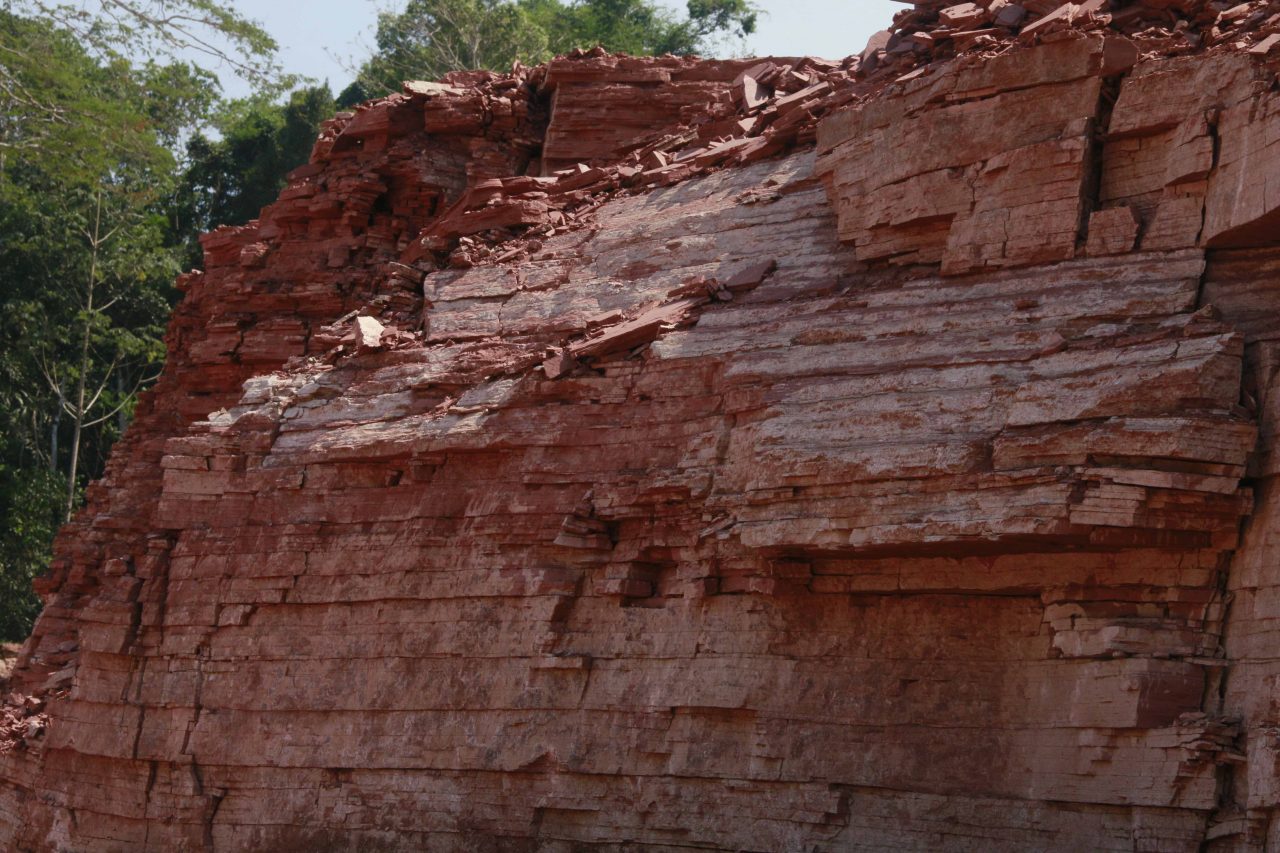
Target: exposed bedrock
(752,455)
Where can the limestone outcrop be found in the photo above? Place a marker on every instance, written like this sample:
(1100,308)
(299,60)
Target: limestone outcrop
(772,454)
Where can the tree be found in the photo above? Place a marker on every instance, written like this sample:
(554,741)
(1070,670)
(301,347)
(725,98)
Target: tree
(430,38)
(84,295)
(639,27)
(47,48)
(433,37)
(95,376)
(92,114)
(231,177)
(30,501)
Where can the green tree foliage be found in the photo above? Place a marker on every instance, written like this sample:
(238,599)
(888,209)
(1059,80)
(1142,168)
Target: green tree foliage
(92,113)
(75,78)
(30,502)
(639,27)
(231,176)
(433,37)
(430,38)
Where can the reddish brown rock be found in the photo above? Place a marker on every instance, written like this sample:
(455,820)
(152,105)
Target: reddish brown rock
(609,104)
(577,458)
(1112,231)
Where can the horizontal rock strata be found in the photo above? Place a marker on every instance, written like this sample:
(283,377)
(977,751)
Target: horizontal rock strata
(775,454)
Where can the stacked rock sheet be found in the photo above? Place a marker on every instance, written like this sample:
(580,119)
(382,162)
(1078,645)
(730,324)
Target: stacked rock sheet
(774,454)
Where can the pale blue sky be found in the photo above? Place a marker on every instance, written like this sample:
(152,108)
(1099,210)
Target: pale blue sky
(318,36)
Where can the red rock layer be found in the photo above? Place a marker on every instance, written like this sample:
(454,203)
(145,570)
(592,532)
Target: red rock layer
(514,486)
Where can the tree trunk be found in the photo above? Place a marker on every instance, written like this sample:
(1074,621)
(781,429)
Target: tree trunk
(54,430)
(122,418)
(82,379)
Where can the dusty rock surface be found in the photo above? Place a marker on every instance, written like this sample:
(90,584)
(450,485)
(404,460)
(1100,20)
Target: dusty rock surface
(8,657)
(774,454)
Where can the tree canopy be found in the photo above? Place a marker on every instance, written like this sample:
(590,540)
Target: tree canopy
(240,167)
(430,38)
(94,107)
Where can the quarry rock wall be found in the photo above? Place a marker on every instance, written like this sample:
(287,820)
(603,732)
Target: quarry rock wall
(768,454)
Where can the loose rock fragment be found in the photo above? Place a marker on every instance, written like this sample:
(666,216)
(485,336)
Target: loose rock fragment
(368,333)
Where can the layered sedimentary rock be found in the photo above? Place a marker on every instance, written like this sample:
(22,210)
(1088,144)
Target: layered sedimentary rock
(777,454)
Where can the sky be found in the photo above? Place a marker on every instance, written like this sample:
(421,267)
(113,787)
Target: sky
(323,38)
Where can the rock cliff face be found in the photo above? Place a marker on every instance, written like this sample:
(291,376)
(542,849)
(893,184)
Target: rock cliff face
(766,455)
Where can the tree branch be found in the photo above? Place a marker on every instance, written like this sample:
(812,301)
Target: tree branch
(128,398)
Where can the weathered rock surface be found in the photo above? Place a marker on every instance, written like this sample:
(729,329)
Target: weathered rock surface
(763,455)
